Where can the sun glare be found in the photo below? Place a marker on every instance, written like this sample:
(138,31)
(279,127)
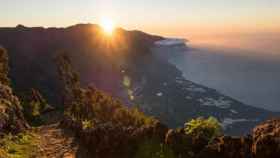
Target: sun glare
(108,26)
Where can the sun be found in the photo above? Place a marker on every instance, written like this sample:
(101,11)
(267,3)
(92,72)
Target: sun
(108,26)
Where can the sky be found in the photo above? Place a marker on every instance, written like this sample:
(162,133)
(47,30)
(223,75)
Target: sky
(178,18)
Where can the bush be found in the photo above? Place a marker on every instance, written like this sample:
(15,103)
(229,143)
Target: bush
(201,128)
(98,107)
(90,106)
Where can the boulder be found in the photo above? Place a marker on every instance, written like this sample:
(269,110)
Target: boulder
(228,147)
(266,137)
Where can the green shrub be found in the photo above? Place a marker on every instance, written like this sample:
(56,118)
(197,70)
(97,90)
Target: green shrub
(206,129)
(153,149)
(101,108)
(23,145)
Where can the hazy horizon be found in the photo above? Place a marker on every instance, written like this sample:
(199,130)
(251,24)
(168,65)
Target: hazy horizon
(185,19)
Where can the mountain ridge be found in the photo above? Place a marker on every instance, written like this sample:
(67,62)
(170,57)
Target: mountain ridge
(107,64)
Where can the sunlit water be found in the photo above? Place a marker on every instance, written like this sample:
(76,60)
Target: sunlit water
(248,71)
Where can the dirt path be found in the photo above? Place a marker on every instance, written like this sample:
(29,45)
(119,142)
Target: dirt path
(55,143)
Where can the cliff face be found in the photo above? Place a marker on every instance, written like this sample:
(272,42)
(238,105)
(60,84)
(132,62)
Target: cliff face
(266,139)
(11,116)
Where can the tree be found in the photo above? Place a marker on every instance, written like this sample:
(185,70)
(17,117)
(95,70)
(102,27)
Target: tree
(75,101)
(69,78)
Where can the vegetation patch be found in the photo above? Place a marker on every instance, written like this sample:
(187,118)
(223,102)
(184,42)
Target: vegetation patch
(23,145)
(92,106)
(203,128)
(34,107)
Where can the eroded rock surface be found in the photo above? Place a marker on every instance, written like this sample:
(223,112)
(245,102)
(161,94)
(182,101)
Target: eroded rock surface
(266,138)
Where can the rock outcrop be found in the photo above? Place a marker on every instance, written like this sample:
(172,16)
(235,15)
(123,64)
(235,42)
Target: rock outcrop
(266,137)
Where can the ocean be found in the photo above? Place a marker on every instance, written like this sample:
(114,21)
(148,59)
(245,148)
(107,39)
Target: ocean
(247,71)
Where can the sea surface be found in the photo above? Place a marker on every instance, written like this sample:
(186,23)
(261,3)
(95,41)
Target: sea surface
(247,68)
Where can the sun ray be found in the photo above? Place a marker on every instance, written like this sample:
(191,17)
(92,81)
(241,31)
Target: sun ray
(108,26)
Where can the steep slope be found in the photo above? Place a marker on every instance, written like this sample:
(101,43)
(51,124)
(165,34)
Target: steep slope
(32,51)
(161,90)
